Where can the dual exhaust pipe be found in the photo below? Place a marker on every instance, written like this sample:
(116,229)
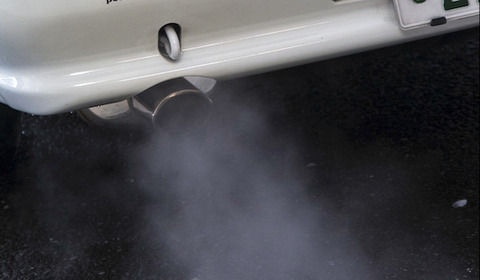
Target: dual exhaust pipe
(177,105)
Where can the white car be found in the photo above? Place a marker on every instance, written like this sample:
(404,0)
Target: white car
(161,58)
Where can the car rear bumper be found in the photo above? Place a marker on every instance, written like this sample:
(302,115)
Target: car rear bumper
(98,73)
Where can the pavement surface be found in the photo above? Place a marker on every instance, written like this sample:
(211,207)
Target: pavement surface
(361,167)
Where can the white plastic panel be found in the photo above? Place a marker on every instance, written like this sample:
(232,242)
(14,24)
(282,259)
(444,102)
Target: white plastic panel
(59,56)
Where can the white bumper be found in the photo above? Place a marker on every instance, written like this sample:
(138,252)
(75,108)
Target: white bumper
(56,57)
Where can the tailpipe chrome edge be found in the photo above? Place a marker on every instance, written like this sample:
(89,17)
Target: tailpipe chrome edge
(177,105)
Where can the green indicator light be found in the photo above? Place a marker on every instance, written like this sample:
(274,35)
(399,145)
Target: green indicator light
(452,4)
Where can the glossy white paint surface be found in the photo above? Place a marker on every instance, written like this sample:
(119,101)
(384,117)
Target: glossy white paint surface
(58,55)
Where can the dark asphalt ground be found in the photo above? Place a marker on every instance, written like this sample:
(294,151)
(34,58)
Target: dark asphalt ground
(342,169)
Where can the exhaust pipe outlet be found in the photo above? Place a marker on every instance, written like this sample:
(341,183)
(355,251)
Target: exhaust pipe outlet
(177,106)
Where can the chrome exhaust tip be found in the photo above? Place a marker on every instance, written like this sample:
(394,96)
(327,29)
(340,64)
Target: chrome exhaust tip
(175,106)
(182,111)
